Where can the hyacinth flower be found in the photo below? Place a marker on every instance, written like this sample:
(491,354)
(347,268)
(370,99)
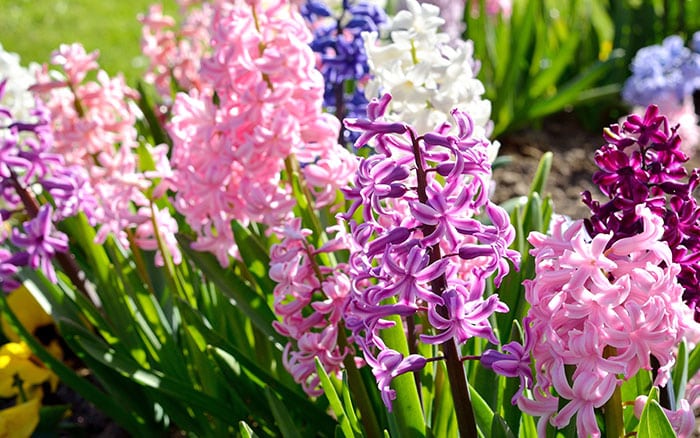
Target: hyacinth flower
(643,164)
(418,253)
(341,52)
(237,145)
(667,75)
(310,322)
(426,72)
(175,48)
(609,298)
(28,163)
(16,96)
(93,124)
(604,309)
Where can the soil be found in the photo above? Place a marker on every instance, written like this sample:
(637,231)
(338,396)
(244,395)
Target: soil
(572,165)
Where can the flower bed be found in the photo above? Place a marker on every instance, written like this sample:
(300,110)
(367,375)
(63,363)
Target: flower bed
(305,222)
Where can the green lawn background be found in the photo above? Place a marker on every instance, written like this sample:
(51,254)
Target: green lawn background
(35,28)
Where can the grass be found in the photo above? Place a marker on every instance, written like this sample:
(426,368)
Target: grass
(35,28)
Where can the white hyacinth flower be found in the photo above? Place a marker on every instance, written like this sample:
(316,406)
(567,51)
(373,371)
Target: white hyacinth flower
(425,75)
(17,97)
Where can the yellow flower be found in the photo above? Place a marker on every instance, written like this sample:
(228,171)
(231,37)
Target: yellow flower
(20,420)
(32,316)
(16,363)
(28,311)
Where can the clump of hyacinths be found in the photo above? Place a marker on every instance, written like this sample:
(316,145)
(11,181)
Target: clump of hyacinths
(615,294)
(94,126)
(420,257)
(38,190)
(238,144)
(667,75)
(340,48)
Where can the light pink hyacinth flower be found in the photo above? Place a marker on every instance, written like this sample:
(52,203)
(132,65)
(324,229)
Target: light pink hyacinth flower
(94,127)
(175,51)
(260,111)
(601,310)
(309,300)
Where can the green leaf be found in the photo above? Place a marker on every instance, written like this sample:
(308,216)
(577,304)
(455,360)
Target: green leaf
(246,375)
(501,161)
(539,181)
(153,379)
(50,418)
(154,128)
(568,93)
(482,412)
(406,407)
(680,371)
(334,400)
(247,300)
(548,78)
(349,406)
(653,423)
(528,427)
(444,421)
(228,352)
(500,429)
(101,400)
(640,383)
(246,431)
(694,361)
(255,255)
(281,414)
(513,71)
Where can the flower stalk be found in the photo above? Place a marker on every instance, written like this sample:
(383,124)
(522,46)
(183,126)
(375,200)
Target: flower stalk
(67,263)
(612,410)
(455,368)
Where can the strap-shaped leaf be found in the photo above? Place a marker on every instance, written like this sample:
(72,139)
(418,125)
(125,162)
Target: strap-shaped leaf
(152,379)
(284,421)
(334,400)
(247,300)
(653,423)
(105,403)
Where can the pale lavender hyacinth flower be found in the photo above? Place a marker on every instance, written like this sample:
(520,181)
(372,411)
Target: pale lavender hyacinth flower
(419,249)
(41,241)
(27,161)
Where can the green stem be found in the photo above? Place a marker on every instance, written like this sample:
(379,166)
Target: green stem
(173,279)
(612,410)
(138,261)
(358,390)
(407,407)
(19,383)
(291,166)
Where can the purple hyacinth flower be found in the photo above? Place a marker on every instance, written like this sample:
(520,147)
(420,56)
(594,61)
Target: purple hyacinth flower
(514,361)
(642,164)
(9,266)
(390,364)
(41,241)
